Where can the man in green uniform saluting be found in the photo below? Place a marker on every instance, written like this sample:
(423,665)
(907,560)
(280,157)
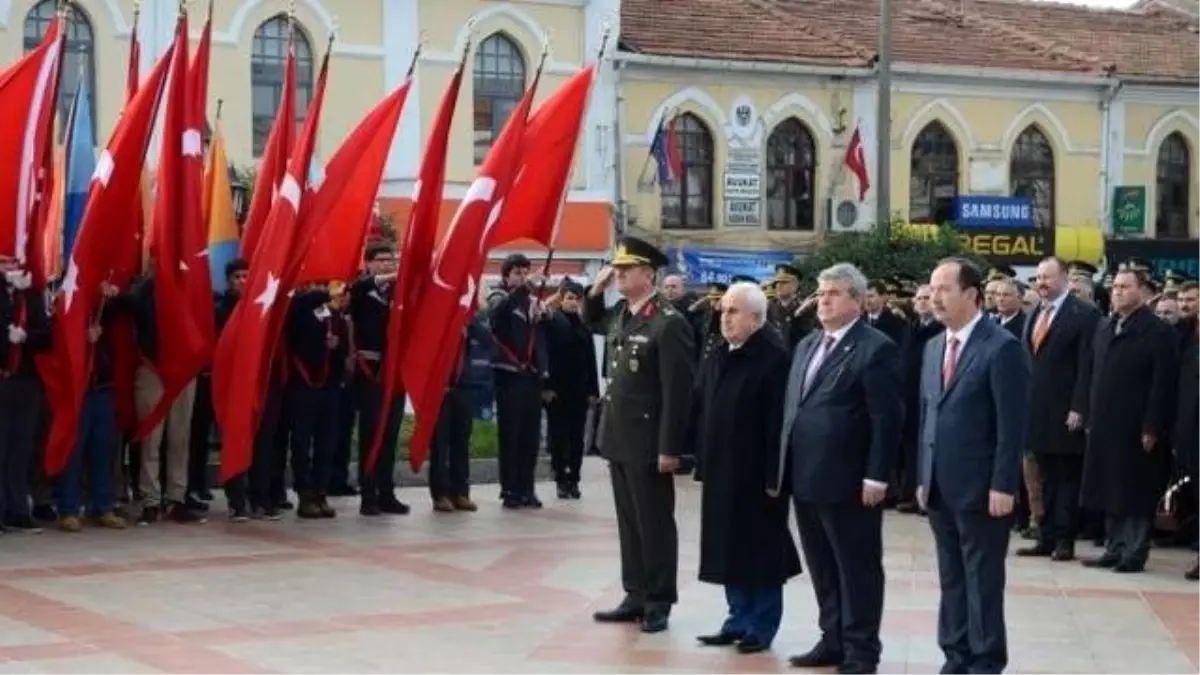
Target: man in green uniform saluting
(643,427)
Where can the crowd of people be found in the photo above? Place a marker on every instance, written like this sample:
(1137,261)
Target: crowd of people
(1055,407)
(985,404)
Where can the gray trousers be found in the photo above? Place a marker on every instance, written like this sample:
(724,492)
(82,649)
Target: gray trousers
(20,398)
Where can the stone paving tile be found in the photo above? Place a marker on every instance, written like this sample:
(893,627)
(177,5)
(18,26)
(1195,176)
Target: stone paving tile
(509,592)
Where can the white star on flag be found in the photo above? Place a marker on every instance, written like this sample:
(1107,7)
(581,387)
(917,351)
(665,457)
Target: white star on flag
(193,144)
(104,168)
(70,285)
(267,297)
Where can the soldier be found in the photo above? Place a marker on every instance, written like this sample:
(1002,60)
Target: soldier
(704,317)
(642,433)
(794,318)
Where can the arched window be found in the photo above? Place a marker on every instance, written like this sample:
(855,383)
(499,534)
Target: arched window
(267,59)
(1031,174)
(791,173)
(1173,188)
(687,202)
(79,58)
(933,178)
(499,81)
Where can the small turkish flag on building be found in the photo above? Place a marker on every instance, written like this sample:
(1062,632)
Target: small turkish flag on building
(856,161)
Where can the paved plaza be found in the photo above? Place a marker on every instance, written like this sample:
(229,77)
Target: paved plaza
(506,592)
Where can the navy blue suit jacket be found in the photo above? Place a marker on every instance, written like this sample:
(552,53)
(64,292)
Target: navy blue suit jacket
(846,428)
(973,431)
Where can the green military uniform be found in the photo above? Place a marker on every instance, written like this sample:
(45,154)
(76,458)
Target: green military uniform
(785,315)
(646,406)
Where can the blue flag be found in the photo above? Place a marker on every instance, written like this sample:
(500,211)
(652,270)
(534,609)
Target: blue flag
(80,147)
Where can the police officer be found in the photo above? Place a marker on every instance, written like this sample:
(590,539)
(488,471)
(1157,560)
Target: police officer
(642,433)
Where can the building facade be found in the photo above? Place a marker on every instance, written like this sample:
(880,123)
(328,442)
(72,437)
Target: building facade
(1086,113)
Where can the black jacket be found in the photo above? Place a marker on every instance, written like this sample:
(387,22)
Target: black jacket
(370,304)
(519,345)
(572,357)
(310,322)
(25,308)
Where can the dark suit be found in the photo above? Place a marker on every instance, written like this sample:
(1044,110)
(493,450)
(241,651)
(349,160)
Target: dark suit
(1059,385)
(843,430)
(646,407)
(972,439)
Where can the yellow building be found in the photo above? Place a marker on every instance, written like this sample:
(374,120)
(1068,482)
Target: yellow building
(991,98)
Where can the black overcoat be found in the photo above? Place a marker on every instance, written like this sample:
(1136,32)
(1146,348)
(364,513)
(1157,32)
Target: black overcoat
(737,417)
(1187,415)
(1134,374)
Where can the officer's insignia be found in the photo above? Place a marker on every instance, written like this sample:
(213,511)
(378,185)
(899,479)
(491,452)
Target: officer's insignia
(633,365)
(649,310)
(622,252)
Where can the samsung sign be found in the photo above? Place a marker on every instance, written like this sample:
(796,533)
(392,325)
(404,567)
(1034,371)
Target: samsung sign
(993,212)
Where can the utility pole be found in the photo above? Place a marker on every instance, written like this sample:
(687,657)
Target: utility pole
(883,121)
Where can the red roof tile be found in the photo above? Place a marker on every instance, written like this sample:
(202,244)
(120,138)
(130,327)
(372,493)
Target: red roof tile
(1010,34)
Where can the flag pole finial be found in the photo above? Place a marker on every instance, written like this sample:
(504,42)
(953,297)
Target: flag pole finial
(291,18)
(545,49)
(466,50)
(220,104)
(412,66)
(605,33)
(333,31)
(137,10)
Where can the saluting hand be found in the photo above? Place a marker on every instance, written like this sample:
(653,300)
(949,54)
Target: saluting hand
(603,278)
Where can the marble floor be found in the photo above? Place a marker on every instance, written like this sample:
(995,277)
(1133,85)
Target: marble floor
(499,591)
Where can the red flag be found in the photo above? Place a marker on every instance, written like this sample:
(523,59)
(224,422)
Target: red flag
(342,206)
(199,279)
(449,295)
(534,205)
(178,245)
(416,251)
(274,160)
(122,336)
(117,180)
(246,347)
(856,161)
(28,97)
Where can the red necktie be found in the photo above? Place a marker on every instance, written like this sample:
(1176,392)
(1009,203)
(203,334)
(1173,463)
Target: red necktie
(951,361)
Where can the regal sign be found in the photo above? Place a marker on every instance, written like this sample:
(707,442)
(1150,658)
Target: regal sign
(1026,246)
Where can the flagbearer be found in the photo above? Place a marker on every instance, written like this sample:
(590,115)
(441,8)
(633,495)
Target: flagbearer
(97,435)
(519,365)
(369,307)
(642,433)
(26,331)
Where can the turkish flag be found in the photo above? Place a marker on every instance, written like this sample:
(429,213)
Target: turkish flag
(416,252)
(274,160)
(450,292)
(534,206)
(245,350)
(199,279)
(117,180)
(343,204)
(28,97)
(856,161)
(177,247)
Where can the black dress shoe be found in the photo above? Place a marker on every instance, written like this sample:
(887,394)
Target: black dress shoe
(1193,574)
(752,646)
(1128,566)
(856,668)
(575,493)
(622,614)
(1103,562)
(908,507)
(655,621)
(531,501)
(1037,551)
(817,657)
(394,507)
(1063,553)
(721,639)
(205,494)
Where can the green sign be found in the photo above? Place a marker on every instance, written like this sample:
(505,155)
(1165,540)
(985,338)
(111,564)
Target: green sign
(1129,209)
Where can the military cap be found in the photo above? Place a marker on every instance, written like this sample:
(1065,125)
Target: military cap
(785,272)
(1081,268)
(999,272)
(1136,264)
(634,252)
(743,279)
(716,289)
(1173,279)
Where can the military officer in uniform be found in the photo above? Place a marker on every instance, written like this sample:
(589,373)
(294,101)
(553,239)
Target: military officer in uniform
(704,317)
(643,428)
(793,316)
